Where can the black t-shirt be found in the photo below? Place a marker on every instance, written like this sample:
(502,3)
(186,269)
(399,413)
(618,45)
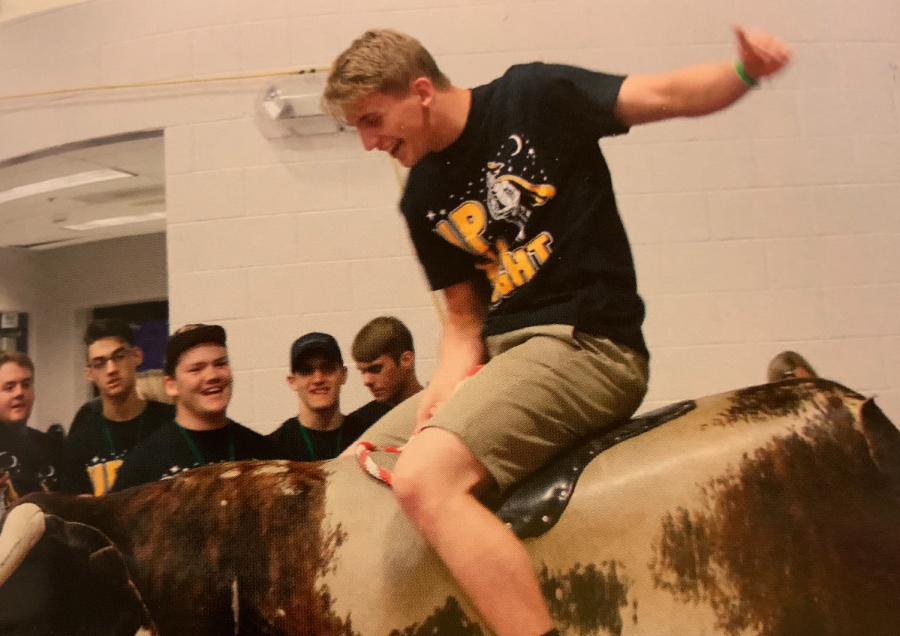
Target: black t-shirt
(297,443)
(34,460)
(167,452)
(525,196)
(370,413)
(99,445)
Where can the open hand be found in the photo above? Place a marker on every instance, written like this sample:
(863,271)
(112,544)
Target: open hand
(761,53)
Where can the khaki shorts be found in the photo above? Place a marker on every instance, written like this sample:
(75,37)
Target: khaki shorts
(544,388)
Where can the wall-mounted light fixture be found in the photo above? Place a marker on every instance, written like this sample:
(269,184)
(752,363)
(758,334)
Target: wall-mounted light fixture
(290,107)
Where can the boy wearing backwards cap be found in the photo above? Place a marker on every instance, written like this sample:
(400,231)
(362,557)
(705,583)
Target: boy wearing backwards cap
(198,376)
(319,431)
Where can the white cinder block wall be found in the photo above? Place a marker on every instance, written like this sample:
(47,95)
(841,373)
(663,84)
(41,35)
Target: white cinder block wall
(771,226)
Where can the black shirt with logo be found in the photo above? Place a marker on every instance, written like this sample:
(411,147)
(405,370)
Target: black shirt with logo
(99,445)
(523,199)
(35,461)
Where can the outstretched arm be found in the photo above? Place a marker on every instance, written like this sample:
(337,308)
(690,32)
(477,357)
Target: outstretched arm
(703,89)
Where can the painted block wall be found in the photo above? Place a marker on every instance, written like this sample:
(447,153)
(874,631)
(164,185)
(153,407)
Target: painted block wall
(772,225)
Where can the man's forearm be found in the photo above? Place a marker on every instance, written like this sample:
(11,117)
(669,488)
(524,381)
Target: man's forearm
(706,88)
(461,349)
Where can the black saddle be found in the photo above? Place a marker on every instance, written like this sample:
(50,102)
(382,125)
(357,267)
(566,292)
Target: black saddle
(535,504)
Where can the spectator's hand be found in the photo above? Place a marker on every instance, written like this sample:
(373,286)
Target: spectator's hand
(761,53)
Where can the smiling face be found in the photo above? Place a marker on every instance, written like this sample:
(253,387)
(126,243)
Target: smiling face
(16,393)
(317,381)
(397,125)
(111,365)
(202,384)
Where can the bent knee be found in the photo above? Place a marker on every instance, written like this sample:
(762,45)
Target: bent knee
(422,489)
(418,490)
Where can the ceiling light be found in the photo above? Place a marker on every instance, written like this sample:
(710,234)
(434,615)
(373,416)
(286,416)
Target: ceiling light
(61,183)
(116,220)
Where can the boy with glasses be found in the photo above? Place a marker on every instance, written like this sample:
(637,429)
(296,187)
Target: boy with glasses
(107,427)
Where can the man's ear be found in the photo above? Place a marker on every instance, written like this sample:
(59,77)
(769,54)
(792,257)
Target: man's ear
(343,375)
(87,373)
(407,360)
(292,382)
(170,386)
(138,354)
(424,90)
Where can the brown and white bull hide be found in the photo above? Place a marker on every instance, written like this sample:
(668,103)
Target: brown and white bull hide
(68,580)
(771,511)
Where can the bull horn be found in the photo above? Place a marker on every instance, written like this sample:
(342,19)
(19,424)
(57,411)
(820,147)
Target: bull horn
(24,527)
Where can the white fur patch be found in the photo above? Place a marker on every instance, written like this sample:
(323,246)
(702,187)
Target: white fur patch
(270,470)
(231,474)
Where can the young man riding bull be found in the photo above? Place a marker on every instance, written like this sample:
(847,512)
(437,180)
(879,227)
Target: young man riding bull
(511,209)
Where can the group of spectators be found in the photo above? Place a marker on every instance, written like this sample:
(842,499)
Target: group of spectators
(120,439)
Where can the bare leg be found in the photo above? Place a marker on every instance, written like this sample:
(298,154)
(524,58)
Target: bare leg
(433,481)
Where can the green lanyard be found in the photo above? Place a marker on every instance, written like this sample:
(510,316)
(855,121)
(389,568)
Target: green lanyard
(309,446)
(107,433)
(198,456)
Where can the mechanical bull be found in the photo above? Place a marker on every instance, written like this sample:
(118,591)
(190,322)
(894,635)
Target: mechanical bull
(772,510)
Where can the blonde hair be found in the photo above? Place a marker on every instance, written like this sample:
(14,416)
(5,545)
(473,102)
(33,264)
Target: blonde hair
(380,60)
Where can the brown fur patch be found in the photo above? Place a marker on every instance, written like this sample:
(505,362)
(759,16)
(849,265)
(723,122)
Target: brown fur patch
(447,620)
(800,539)
(189,539)
(781,399)
(587,598)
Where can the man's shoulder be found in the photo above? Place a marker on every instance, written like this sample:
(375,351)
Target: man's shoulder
(284,426)
(354,426)
(368,414)
(86,416)
(251,444)
(529,73)
(160,410)
(161,436)
(374,407)
(245,430)
(43,440)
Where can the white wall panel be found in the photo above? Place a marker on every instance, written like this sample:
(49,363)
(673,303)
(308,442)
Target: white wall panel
(772,225)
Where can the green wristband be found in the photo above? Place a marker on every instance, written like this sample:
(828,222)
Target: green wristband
(749,81)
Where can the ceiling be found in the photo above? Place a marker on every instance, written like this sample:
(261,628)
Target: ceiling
(36,222)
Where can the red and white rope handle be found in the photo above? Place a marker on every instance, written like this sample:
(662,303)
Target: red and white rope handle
(363,456)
